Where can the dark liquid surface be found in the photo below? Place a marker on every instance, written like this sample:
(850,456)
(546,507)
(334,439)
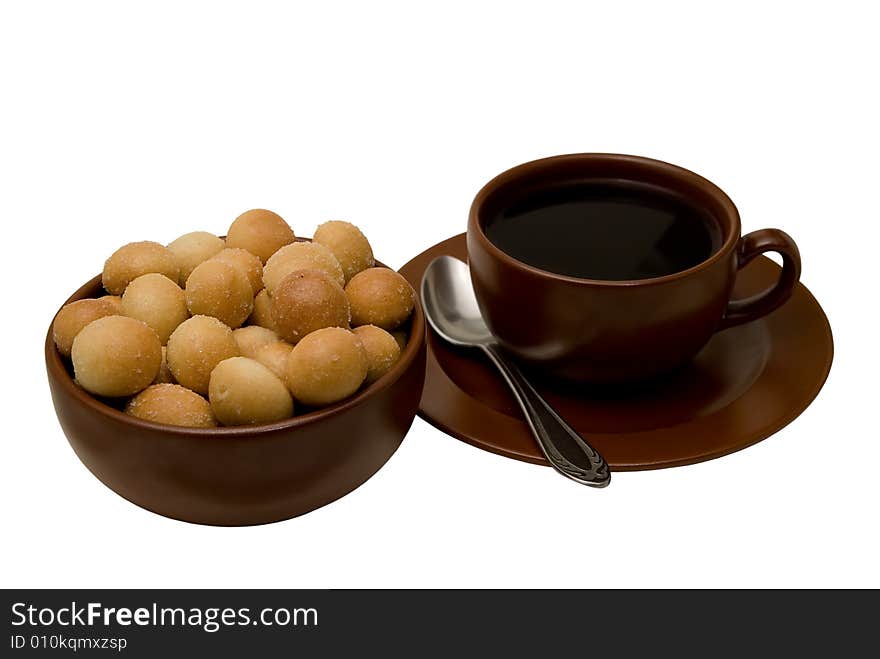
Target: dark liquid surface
(605,230)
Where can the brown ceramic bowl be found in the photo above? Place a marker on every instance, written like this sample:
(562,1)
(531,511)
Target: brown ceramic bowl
(242,475)
(616,331)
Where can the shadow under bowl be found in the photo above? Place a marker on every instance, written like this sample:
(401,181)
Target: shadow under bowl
(242,475)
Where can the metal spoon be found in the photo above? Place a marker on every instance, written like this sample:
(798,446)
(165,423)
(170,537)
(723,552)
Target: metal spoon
(451,309)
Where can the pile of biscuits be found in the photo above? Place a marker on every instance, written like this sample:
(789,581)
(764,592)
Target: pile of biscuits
(206,331)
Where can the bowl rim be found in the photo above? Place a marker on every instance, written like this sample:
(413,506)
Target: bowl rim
(57,371)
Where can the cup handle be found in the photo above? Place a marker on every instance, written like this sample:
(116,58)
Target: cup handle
(749,246)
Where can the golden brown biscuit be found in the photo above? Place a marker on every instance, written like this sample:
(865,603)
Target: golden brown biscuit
(173,405)
(196,347)
(350,247)
(156,300)
(220,290)
(73,317)
(308,300)
(135,259)
(251,338)
(326,366)
(249,265)
(260,232)
(381,348)
(116,356)
(244,392)
(274,357)
(115,301)
(262,313)
(194,248)
(380,297)
(301,256)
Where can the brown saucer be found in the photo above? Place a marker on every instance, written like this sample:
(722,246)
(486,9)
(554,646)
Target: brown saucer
(747,383)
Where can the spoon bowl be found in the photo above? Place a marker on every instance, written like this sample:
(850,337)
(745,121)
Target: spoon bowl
(455,316)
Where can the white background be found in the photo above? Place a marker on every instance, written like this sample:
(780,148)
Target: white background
(122,122)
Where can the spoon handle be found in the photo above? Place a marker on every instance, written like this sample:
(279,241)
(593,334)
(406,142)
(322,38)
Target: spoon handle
(562,445)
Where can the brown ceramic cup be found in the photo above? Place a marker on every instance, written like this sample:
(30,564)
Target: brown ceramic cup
(617,331)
